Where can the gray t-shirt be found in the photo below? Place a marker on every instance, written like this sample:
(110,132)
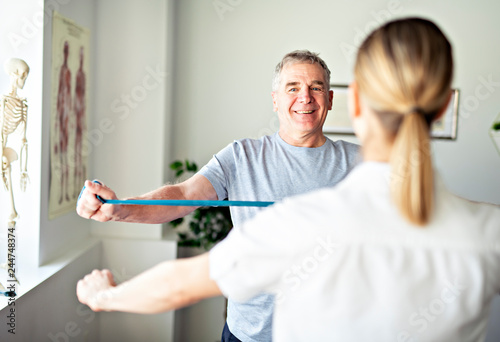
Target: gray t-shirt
(269,169)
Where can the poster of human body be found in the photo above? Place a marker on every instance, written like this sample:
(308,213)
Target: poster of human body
(68,157)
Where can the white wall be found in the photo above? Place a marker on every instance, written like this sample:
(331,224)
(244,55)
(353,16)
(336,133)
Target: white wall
(51,311)
(132,78)
(202,321)
(225,60)
(132,72)
(126,258)
(225,64)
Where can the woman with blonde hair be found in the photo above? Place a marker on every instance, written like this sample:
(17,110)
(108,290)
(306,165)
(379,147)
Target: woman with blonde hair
(386,255)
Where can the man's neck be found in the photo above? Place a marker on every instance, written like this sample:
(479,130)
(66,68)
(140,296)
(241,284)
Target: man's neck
(313,140)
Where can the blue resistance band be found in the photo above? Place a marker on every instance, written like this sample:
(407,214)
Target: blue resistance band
(184,203)
(7,293)
(188,203)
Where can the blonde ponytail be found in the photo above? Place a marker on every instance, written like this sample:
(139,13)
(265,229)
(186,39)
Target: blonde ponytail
(412,180)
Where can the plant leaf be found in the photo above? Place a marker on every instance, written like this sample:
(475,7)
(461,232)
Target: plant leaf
(176,165)
(192,167)
(176,222)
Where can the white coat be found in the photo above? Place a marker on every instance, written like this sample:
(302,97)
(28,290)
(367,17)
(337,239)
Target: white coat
(346,266)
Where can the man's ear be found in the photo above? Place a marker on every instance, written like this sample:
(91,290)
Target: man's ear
(275,101)
(330,98)
(443,110)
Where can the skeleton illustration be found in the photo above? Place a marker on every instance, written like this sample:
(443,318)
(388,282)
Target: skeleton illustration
(14,115)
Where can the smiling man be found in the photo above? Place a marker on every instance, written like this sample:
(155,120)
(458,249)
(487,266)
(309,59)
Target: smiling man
(302,98)
(295,160)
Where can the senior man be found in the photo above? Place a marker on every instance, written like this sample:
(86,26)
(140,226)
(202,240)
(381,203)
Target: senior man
(295,160)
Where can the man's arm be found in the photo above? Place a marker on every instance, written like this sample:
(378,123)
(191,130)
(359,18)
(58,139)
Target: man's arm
(195,188)
(167,286)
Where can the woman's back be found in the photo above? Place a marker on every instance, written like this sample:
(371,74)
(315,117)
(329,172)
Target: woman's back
(385,279)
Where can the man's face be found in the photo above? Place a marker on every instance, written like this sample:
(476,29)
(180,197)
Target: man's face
(302,100)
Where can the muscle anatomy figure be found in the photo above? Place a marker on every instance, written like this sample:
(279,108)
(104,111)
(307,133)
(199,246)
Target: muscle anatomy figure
(79,167)
(13,116)
(62,124)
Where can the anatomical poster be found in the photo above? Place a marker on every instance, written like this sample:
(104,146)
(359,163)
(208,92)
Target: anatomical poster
(69,105)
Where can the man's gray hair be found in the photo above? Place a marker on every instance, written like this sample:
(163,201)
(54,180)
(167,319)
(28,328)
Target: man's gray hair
(299,56)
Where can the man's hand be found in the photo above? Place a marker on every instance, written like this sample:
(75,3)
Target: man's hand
(90,207)
(95,289)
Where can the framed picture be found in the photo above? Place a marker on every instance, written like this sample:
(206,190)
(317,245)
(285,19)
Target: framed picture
(338,121)
(446,127)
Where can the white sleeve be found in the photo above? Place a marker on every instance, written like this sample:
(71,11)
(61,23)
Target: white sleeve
(254,257)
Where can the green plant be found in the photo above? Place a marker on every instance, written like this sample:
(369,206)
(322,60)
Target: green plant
(207,225)
(496,126)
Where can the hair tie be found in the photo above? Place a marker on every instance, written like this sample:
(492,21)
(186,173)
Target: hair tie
(427,116)
(417,110)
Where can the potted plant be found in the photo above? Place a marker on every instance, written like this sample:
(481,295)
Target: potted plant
(201,230)
(206,225)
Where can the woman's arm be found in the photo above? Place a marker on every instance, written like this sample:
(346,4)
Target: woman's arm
(167,286)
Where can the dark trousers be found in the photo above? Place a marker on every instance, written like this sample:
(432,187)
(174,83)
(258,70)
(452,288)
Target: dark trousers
(227,336)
